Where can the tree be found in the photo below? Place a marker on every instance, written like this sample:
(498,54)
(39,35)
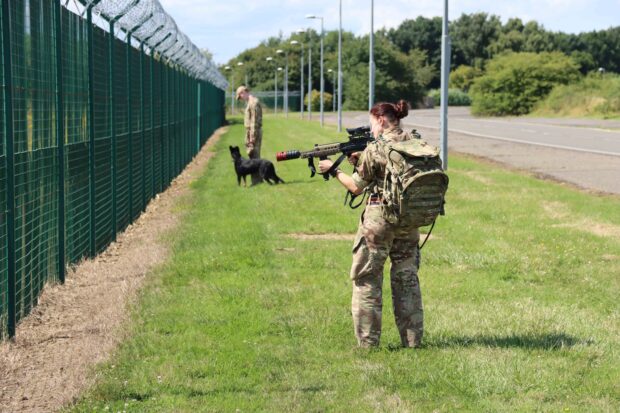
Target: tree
(472,35)
(514,82)
(398,75)
(422,34)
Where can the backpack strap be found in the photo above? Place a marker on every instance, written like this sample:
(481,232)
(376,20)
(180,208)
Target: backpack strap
(428,235)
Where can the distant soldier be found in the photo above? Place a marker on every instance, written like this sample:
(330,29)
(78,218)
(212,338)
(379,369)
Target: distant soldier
(253,122)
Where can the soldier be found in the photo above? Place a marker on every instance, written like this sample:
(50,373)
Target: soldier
(377,239)
(253,122)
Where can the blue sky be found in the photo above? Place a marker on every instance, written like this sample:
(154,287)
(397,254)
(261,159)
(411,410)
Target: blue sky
(229,27)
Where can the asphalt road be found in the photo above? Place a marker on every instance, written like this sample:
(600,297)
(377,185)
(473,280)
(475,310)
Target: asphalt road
(582,152)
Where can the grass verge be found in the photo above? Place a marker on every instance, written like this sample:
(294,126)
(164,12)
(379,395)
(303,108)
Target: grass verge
(595,96)
(520,286)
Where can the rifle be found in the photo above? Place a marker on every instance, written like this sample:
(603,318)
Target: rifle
(358,140)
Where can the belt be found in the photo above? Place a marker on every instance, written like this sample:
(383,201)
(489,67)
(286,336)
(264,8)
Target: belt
(375,199)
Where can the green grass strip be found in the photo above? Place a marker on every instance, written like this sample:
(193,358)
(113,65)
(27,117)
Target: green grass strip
(520,286)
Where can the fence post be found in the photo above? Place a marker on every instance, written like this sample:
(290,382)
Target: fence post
(91,129)
(112,125)
(161,124)
(143,131)
(10,171)
(60,142)
(198,135)
(129,126)
(169,128)
(152,116)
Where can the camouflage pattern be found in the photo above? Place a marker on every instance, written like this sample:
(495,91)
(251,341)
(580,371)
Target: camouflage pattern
(376,240)
(253,122)
(370,170)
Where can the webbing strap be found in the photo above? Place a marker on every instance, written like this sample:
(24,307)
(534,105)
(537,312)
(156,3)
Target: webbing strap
(429,234)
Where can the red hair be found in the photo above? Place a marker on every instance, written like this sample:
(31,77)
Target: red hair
(393,112)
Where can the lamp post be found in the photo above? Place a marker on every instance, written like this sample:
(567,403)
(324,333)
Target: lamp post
(340,70)
(311,16)
(279,69)
(310,82)
(275,87)
(371,59)
(240,64)
(232,97)
(445,73)
(333,89)
(301,71)
(285,105)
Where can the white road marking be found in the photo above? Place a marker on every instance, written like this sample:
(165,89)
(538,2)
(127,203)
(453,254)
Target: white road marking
(499,138)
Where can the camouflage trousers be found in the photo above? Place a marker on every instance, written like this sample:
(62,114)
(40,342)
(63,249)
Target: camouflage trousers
(253,150)
(376,240)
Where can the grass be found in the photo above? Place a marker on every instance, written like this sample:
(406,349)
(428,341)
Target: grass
(593,96)
(520,287)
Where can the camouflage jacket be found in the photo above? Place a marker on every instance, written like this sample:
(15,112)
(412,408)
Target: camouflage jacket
(253,120)
(370,170)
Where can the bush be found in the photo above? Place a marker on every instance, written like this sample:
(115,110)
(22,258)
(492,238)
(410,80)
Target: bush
(456,97)
(463,76)
(515,82)
(594,95)
(316,101)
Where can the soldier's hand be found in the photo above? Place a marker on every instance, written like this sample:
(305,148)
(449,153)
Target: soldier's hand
(354,158)
(325,165)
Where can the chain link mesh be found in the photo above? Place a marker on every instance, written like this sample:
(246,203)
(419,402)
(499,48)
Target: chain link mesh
(70,191)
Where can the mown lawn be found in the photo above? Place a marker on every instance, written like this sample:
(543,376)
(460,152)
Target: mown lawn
(520,285)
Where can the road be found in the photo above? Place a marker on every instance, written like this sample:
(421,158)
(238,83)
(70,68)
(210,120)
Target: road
(582,152)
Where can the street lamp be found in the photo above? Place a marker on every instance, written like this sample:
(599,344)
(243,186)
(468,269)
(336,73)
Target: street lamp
(246,75)
(275,87)
(285,105)
(301,81)
(333,89)
(232,97)
(310,80)
(340,70)
(311,16)
(371,58)
(445,74)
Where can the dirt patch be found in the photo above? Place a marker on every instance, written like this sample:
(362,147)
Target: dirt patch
(321,237)
(478,177)
(331,237)
(79,324)
(556,210)
(595,228)
(559,211)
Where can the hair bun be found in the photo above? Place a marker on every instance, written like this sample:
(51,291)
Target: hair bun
(402,109)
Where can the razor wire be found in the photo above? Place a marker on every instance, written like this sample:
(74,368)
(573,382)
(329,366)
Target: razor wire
(148,22)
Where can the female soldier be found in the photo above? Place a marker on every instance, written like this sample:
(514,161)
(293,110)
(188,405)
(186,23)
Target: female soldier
(377,239)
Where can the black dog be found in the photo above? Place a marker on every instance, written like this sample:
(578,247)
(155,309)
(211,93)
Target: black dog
(244,167)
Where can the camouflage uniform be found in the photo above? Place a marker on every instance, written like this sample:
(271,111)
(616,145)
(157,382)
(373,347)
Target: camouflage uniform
(376,240)
(253,122)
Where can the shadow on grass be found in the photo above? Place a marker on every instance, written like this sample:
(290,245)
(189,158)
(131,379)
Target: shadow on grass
(234,121)
(549,341)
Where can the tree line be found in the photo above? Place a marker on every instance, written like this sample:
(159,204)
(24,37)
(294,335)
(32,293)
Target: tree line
(408,57)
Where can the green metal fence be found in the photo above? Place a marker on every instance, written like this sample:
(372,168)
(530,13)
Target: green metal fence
(92,129)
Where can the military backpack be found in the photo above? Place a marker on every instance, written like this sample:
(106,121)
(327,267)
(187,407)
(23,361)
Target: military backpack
(415,184)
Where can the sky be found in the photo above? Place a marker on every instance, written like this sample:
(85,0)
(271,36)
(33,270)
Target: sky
(228,27)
